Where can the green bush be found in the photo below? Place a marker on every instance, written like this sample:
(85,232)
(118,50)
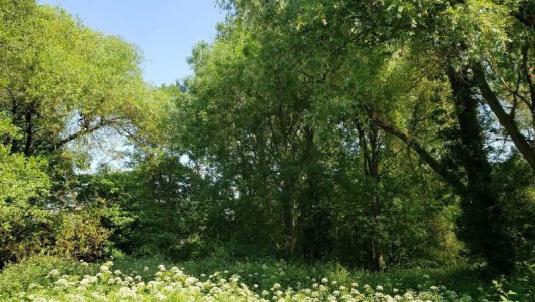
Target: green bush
(34,270)
(82,236)
(24,231)
(24,228)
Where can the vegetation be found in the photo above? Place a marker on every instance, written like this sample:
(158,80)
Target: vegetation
(388,143)
(217,279)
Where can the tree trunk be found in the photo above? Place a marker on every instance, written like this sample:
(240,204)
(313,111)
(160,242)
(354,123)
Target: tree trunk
(288,216)
(314,219)
(481,226)
(369,140)
(28,118)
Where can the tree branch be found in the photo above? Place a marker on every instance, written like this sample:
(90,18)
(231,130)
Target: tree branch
(434,164)
(505,119)
(528,73)
(85,130)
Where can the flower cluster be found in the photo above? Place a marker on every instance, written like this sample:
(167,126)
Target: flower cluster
(174,285)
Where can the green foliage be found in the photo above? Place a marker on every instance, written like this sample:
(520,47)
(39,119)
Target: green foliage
(29,225)
(267,271)
(34,270)
(62,86)
(22,178)
(23,228)
(387,74)
(82,236)
(150,279)
(325,132)
(518,201)
(67,85)
(285,142)
(169,206)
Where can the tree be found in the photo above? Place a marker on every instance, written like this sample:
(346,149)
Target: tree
(273,132)
(65,82)
(62,85)
(465,41)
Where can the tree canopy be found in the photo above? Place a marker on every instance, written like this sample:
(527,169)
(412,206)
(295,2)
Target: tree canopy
(373,133)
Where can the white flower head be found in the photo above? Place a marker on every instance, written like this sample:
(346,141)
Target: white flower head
(53,273)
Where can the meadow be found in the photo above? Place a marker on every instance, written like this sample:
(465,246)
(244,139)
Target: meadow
(48,279)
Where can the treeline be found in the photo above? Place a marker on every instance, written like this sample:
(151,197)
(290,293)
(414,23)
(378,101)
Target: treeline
(64,88)
(372,133)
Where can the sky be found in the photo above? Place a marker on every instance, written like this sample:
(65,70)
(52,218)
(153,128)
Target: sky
(165,31)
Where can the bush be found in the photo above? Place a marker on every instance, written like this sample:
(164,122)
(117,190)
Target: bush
(18,277)
(82,236)
(24,231)
(29,231)
(23,227)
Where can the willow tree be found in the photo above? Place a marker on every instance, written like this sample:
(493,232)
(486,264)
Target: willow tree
(63,82)
(269,113)
(247,130)
(482,49)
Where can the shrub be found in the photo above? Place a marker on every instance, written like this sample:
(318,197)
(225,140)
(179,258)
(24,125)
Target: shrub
(82,236)
(23,227)
(18,277)
(24,231)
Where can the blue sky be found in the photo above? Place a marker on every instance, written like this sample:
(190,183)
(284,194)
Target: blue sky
(164,30)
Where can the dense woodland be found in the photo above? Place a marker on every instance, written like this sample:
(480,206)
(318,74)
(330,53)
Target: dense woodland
(374,134)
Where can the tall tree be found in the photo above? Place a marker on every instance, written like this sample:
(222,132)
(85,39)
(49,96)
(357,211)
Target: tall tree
(64,82)
(466,41)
